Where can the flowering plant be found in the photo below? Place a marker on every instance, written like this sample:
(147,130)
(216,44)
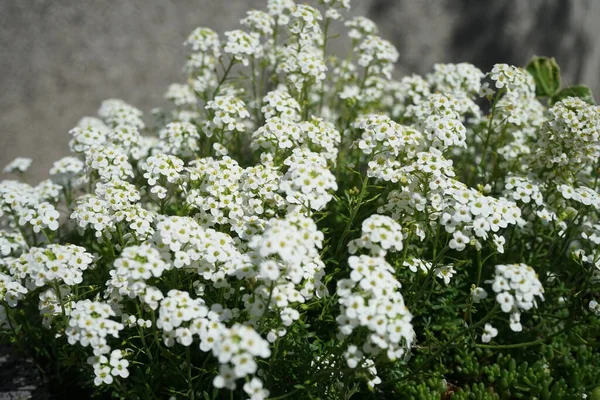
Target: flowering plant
(299,225)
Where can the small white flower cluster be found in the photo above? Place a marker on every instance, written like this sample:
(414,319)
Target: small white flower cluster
(180,138)
(594,307)
(228,113)
(17,197)
(213,190)
(181,94)
(276,134)
(96,213)
(516,287)
(280,103)
(360,27)
(377,55)
(236,348)
(116,112)
(51,306)
(572,140)
(90,323)
(41,216)
(281,10)
(19,164)
(105,369)
(11,243)
(439,118)
(389,142)
(68,169)
(279,134)
(204,40)
(118,194)
(470,216)
(11,291)
(523,189)
(308,182)
(176,309)
(108,162)
(259,21)
(259,187)
(304,67)
(371,299)
(380,234)
(462,80)
(135,266)
(582,194)
(287,258)
(242,45)
(54,264)
(513,80)
(162,170)
(86,138)
(209,253)
(305,24)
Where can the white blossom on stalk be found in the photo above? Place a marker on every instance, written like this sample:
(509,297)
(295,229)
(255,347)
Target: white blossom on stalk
(371,302)
(19,164)
(517,287)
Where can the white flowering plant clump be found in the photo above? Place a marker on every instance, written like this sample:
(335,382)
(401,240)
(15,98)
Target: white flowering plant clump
(298,225)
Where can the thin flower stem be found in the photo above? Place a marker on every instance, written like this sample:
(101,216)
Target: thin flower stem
(189,373)
(359,202)
(223,78)
(489,129)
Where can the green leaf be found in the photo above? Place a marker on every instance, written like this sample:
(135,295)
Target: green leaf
(583,92)
(546,73)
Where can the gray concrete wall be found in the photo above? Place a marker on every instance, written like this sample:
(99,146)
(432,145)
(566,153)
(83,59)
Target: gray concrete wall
(60,58)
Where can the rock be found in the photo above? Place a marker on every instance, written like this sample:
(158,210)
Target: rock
(61,59)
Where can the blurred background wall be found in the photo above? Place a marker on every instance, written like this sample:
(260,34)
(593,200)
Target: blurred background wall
(60,58)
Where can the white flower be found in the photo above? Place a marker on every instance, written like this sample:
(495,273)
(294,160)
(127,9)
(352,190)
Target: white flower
(489,332)
(446,273)
(254,389)
(506,301)
(353,356)
(19,164)
(478,294)
(459,241)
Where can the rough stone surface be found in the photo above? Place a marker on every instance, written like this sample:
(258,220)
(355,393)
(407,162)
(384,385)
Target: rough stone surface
(59,60)
(18,377)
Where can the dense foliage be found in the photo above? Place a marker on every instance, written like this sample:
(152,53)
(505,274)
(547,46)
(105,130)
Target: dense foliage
(303,225)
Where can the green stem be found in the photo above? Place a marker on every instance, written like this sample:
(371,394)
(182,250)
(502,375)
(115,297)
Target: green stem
(361,196)
(189,373)
(227,70)
(489,129)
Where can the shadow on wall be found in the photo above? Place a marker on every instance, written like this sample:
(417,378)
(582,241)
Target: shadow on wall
(489,32)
